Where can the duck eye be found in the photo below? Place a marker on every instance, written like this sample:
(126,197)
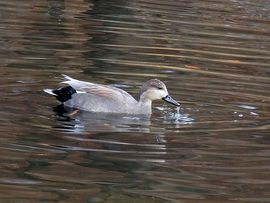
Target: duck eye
(160,88)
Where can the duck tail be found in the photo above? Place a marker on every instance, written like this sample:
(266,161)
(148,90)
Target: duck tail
(62,94)
(49,91)
(77,85)
(66,77)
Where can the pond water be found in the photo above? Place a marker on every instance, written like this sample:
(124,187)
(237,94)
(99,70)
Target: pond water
(214,57)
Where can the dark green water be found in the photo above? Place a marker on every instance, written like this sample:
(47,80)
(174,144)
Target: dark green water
(214,58)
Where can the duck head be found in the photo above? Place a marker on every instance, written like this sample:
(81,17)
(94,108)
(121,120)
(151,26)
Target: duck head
(156,90)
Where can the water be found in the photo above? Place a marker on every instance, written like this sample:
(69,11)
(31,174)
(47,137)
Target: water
(214,58)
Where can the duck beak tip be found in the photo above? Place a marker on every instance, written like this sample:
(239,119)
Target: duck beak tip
(170,100)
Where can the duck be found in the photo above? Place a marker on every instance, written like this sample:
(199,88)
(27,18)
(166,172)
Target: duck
(94,97)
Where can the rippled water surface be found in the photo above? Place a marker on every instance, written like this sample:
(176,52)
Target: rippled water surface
(214,57)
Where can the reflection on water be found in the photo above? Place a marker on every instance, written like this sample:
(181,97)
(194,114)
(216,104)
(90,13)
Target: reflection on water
(77,121)
(214,58)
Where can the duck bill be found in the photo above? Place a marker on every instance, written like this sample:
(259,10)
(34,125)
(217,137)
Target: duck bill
(170,100)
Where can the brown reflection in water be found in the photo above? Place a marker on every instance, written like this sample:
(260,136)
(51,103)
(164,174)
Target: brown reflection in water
(53,34)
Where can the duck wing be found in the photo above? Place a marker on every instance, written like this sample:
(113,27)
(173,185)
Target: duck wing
(103,91)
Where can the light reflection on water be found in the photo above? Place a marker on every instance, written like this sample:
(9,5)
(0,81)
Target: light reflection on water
(213,57)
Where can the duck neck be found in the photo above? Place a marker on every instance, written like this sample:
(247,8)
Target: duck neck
(145,105)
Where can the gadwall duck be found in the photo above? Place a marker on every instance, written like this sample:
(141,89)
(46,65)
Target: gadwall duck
(104,98)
